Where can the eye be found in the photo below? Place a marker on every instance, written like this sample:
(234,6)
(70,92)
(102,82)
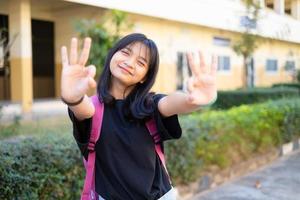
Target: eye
(125,52)
(140,63)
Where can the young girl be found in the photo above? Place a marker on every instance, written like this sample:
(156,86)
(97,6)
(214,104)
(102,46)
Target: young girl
(127,166)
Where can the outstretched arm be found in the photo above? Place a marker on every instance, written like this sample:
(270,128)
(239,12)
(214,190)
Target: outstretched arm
(201,89)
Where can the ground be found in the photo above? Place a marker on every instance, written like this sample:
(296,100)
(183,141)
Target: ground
(278,181)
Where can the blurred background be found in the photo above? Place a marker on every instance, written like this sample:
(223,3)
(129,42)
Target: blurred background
(257,43)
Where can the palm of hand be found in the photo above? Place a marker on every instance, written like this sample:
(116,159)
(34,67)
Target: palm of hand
(202,87)
(76,78)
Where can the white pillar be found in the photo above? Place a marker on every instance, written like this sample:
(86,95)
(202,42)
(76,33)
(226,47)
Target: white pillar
(21,52)
(296,9)
(279,6)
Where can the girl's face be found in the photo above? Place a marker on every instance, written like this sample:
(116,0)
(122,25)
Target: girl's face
(130,64)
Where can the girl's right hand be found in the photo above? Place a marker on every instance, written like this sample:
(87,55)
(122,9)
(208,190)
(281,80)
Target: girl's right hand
(76,79)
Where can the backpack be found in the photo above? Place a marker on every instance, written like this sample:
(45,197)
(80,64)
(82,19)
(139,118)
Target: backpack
(89,192)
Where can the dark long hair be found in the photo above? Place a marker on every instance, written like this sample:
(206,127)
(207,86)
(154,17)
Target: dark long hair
(139,103)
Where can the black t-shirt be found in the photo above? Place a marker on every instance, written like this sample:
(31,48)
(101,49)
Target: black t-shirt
(127,166)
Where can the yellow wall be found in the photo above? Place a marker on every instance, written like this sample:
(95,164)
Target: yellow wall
(4,7)
(21,81)
(171,37)
(174,37)
(64,31)
(275,50)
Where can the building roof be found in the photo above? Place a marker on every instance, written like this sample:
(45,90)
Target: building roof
(219,14)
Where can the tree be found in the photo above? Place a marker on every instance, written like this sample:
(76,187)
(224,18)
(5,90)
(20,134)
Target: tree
(5,45)
(248,41)
(103,38)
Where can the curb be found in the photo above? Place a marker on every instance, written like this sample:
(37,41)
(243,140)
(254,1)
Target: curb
(289,147)
(211,181)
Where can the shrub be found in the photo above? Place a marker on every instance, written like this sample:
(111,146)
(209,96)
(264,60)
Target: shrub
(180,154)
(288,85)
(48,167)
(228,99)
(224,138)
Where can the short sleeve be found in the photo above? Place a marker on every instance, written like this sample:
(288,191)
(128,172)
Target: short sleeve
(168,127)
(81,131)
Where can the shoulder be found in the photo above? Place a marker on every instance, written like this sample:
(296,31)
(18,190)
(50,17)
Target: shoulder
(158,97)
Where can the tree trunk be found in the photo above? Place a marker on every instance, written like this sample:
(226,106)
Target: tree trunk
(245,73)
(245,77)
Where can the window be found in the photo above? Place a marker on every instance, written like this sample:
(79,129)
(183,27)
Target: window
(223,63)
(247,22)
(290,65)
(218,41)
(271,65)
(183,71)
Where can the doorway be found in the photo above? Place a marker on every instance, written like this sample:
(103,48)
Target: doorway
(43,59)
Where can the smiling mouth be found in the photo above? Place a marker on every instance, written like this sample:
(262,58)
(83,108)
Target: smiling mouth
(123,68)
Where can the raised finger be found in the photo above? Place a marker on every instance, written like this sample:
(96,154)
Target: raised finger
(92,82)
(192,64)
(190,85)
(91,70)
(73,51)
(85,52)
(64,56)
(203,66)
(214,65)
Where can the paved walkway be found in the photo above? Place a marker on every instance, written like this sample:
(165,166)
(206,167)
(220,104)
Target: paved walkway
(278,181)
(40,109)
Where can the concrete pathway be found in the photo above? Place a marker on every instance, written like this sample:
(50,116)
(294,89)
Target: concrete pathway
(278,181)
(40,109)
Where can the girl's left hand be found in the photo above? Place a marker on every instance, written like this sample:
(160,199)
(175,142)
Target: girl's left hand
(201,86)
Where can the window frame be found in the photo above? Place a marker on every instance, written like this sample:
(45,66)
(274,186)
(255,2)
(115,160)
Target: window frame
(289,70)
(223,70)
(277,66)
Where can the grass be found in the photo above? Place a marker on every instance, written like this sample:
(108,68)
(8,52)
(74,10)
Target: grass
(57,125)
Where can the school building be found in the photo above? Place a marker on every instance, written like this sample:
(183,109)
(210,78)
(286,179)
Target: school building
(38,29)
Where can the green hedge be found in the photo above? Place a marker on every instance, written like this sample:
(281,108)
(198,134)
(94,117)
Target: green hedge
(47,167)
(289,85)
(228,99)
(223,138)
(50,167)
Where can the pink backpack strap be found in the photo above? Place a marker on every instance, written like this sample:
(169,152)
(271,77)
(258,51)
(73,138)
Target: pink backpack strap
(89,182)
(151,126)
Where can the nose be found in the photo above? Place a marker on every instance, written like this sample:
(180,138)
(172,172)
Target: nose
(130,62)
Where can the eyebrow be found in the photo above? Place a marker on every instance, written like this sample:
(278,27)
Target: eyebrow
(144,59)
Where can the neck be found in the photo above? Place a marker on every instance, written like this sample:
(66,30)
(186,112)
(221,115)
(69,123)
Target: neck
(117,89)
